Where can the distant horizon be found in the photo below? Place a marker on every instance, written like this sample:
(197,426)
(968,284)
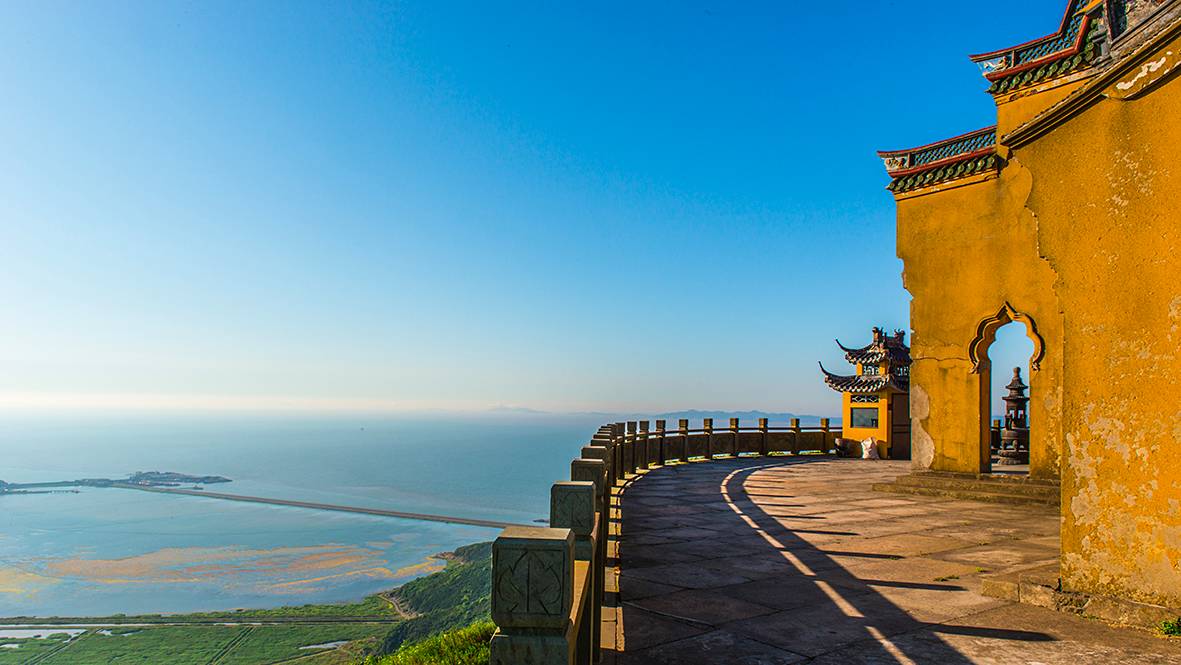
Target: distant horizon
(212,405)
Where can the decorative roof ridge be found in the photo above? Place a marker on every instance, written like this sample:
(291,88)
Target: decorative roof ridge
(972,144)
(1066,16)
(1075,44)
(1069,105)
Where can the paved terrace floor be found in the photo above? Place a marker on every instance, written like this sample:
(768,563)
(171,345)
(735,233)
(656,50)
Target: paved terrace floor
(767,561)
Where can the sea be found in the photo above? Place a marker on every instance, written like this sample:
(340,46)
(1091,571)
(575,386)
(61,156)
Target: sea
(101,551)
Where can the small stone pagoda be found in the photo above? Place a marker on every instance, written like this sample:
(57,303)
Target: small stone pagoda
(1015,434)
(875,400)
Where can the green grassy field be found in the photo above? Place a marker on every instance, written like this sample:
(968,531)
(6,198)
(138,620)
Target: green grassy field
(198,645)
(27,650)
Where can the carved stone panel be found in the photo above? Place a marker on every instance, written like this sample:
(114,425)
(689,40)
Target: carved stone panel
(533,578)
(572,506)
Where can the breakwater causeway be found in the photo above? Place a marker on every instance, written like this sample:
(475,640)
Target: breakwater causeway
(448,519)
(168,482)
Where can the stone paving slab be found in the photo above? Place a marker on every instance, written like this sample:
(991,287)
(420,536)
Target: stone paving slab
(762,561)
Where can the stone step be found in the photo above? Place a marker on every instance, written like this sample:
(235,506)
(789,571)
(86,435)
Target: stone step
(1042,587)
(970,494)
(975,484)
(1018,479)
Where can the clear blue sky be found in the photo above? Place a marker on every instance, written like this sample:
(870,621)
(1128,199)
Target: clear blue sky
(567,206)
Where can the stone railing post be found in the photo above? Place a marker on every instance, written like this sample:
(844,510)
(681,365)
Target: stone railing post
(824,435)
(573,506)
(763,436)
(734,435)
(795,436)
(683,432)
(707,424)
(607,444)
(661,454)
(632,463)
(642,445)
(620,471)
(532,595)
(592,469)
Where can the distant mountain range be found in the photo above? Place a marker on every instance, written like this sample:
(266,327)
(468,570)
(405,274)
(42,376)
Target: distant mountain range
(720,417)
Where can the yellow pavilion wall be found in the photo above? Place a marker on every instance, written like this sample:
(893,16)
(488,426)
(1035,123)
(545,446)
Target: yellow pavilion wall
(881,432)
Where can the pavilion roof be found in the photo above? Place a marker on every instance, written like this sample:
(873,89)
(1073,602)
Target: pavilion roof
(865,383)
(891,348)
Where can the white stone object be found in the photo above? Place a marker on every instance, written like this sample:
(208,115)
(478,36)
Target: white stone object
(869,449)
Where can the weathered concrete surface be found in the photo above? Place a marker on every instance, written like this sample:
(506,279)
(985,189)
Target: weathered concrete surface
(796,560)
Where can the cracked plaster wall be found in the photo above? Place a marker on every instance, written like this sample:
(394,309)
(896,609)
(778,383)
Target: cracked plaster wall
(1082,232)
(1107,193)
(967,251)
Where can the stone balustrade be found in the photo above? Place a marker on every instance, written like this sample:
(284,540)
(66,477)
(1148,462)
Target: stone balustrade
(549,583)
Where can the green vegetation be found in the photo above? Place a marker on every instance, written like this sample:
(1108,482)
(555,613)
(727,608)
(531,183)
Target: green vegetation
(29,649)
(373,607)
(183,645)
(452,598)
(450,609)
(1171,628)
(463,646)
(270,644)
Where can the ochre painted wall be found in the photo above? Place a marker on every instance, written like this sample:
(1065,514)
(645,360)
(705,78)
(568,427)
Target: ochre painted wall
(1081,231)
(967,252)
(881,432)
(1107,197)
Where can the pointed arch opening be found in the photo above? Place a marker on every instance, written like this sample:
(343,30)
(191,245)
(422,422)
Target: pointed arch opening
(1004,436)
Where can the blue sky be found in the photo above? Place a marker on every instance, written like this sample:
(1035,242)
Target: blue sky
(567,206)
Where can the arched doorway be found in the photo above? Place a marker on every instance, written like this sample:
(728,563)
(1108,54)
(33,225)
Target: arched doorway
(1008,341)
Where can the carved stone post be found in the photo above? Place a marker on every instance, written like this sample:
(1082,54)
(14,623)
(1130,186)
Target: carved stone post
(573,506)
(532,594)
(763,436)
(795,436)
(824,435)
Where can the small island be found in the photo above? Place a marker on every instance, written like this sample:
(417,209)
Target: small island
(138,479)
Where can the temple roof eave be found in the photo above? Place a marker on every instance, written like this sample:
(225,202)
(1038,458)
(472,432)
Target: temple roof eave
(862,384)
(1062,28)
(957,157)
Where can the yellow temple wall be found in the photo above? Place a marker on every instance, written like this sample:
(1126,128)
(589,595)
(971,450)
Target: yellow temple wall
(1020,107)
(967,251)
(1107,199)
(1081,232)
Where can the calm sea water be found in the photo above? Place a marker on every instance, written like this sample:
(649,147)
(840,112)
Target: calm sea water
(103,551)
